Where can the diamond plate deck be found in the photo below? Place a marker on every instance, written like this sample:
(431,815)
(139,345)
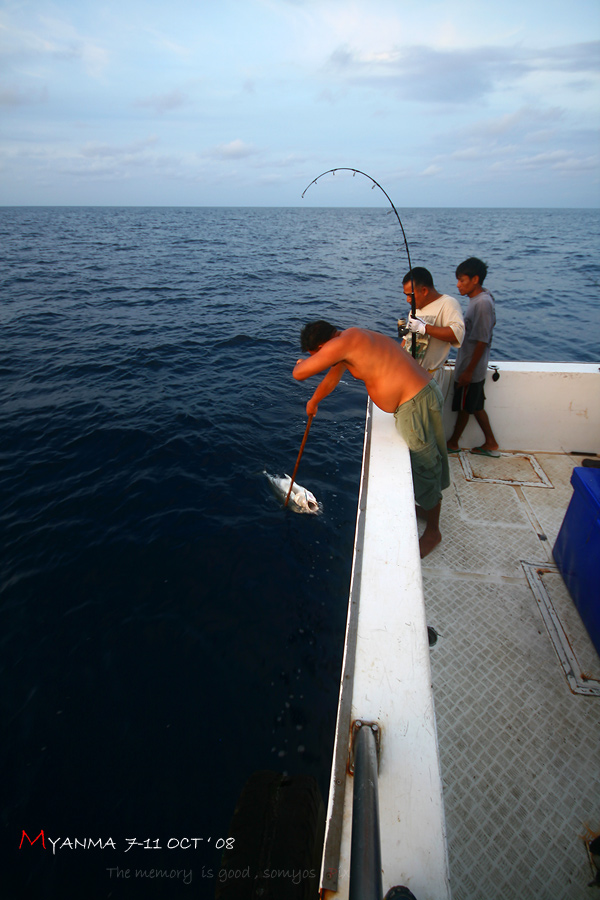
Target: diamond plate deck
(520,752)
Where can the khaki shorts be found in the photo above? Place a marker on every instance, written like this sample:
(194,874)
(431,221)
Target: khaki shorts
(419,421)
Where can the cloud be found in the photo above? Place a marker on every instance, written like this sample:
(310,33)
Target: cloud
(583,57)
(501,160)
(54,39)
(507,135)
(461,76)
(285,88)
(430,171)
(162,103)
(236,149)
(560,161)
(485,152)
(426,74)
(521,119)
(291,159)
(16,96)
(120,162)
(163,42)
(113,151)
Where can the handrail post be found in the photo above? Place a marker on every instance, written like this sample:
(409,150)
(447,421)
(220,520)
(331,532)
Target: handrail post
(365,859)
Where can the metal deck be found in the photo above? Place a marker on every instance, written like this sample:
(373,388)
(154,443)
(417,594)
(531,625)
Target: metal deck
(489,773)
(520,750)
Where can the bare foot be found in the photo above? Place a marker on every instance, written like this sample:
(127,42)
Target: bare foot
(429,541)
(453,447)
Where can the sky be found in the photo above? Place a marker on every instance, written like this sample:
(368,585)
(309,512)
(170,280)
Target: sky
(466,103)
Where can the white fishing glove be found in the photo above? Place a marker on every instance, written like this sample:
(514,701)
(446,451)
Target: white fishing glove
(415,325)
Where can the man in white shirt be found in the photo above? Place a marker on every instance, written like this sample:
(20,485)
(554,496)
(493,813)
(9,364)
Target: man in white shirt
(438,324)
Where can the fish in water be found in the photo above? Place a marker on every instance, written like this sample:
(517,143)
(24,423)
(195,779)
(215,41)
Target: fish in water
(301,499)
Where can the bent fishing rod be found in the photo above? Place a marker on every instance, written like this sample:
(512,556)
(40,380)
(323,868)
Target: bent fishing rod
(376,184)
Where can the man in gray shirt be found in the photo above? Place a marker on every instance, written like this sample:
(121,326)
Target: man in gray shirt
(473,356)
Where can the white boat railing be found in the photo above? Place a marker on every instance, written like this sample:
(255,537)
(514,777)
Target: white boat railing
(386,679)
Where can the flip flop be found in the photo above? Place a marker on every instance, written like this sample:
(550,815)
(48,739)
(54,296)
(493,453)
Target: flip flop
(451,450)
(480,451)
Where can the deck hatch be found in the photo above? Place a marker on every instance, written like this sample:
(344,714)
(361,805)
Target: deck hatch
(576,653)
(516,469)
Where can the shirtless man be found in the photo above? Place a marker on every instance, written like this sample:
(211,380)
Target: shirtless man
(396,384)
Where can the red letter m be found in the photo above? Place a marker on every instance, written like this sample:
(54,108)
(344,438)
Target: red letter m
(32,842)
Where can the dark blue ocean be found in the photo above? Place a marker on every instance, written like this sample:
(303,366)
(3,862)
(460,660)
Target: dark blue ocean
(167,629)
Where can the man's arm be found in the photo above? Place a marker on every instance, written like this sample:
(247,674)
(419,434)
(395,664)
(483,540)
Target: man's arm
(466,376)
(451,327)
(328,384)
(441,333)
(329,354)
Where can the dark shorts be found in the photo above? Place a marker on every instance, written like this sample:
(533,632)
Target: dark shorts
(469,398)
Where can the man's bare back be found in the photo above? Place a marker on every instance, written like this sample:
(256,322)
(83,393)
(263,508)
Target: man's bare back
(392,378)
(390,375)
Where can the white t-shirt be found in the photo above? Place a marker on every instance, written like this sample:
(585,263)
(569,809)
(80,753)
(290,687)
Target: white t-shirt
(445,312)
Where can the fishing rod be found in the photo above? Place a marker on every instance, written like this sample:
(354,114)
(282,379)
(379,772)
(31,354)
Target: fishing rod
(376,184)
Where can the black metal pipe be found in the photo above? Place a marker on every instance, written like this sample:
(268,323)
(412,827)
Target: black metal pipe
(365,858)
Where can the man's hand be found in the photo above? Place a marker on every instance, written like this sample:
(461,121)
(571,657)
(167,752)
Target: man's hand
(467,375)
(416,325)
(311,407)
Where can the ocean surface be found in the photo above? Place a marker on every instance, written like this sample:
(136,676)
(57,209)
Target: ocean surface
(167,629)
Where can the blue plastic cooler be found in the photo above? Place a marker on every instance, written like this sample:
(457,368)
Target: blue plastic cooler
(577,549)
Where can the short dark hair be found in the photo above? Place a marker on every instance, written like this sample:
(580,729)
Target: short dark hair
(420,276)
(316,333)
(472,267)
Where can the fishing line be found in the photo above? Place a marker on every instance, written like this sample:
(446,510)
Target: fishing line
(376,184)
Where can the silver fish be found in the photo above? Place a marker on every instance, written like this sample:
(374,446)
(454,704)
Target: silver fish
(301,499)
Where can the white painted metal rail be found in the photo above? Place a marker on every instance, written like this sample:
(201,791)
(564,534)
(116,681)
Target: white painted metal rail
(386,679)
